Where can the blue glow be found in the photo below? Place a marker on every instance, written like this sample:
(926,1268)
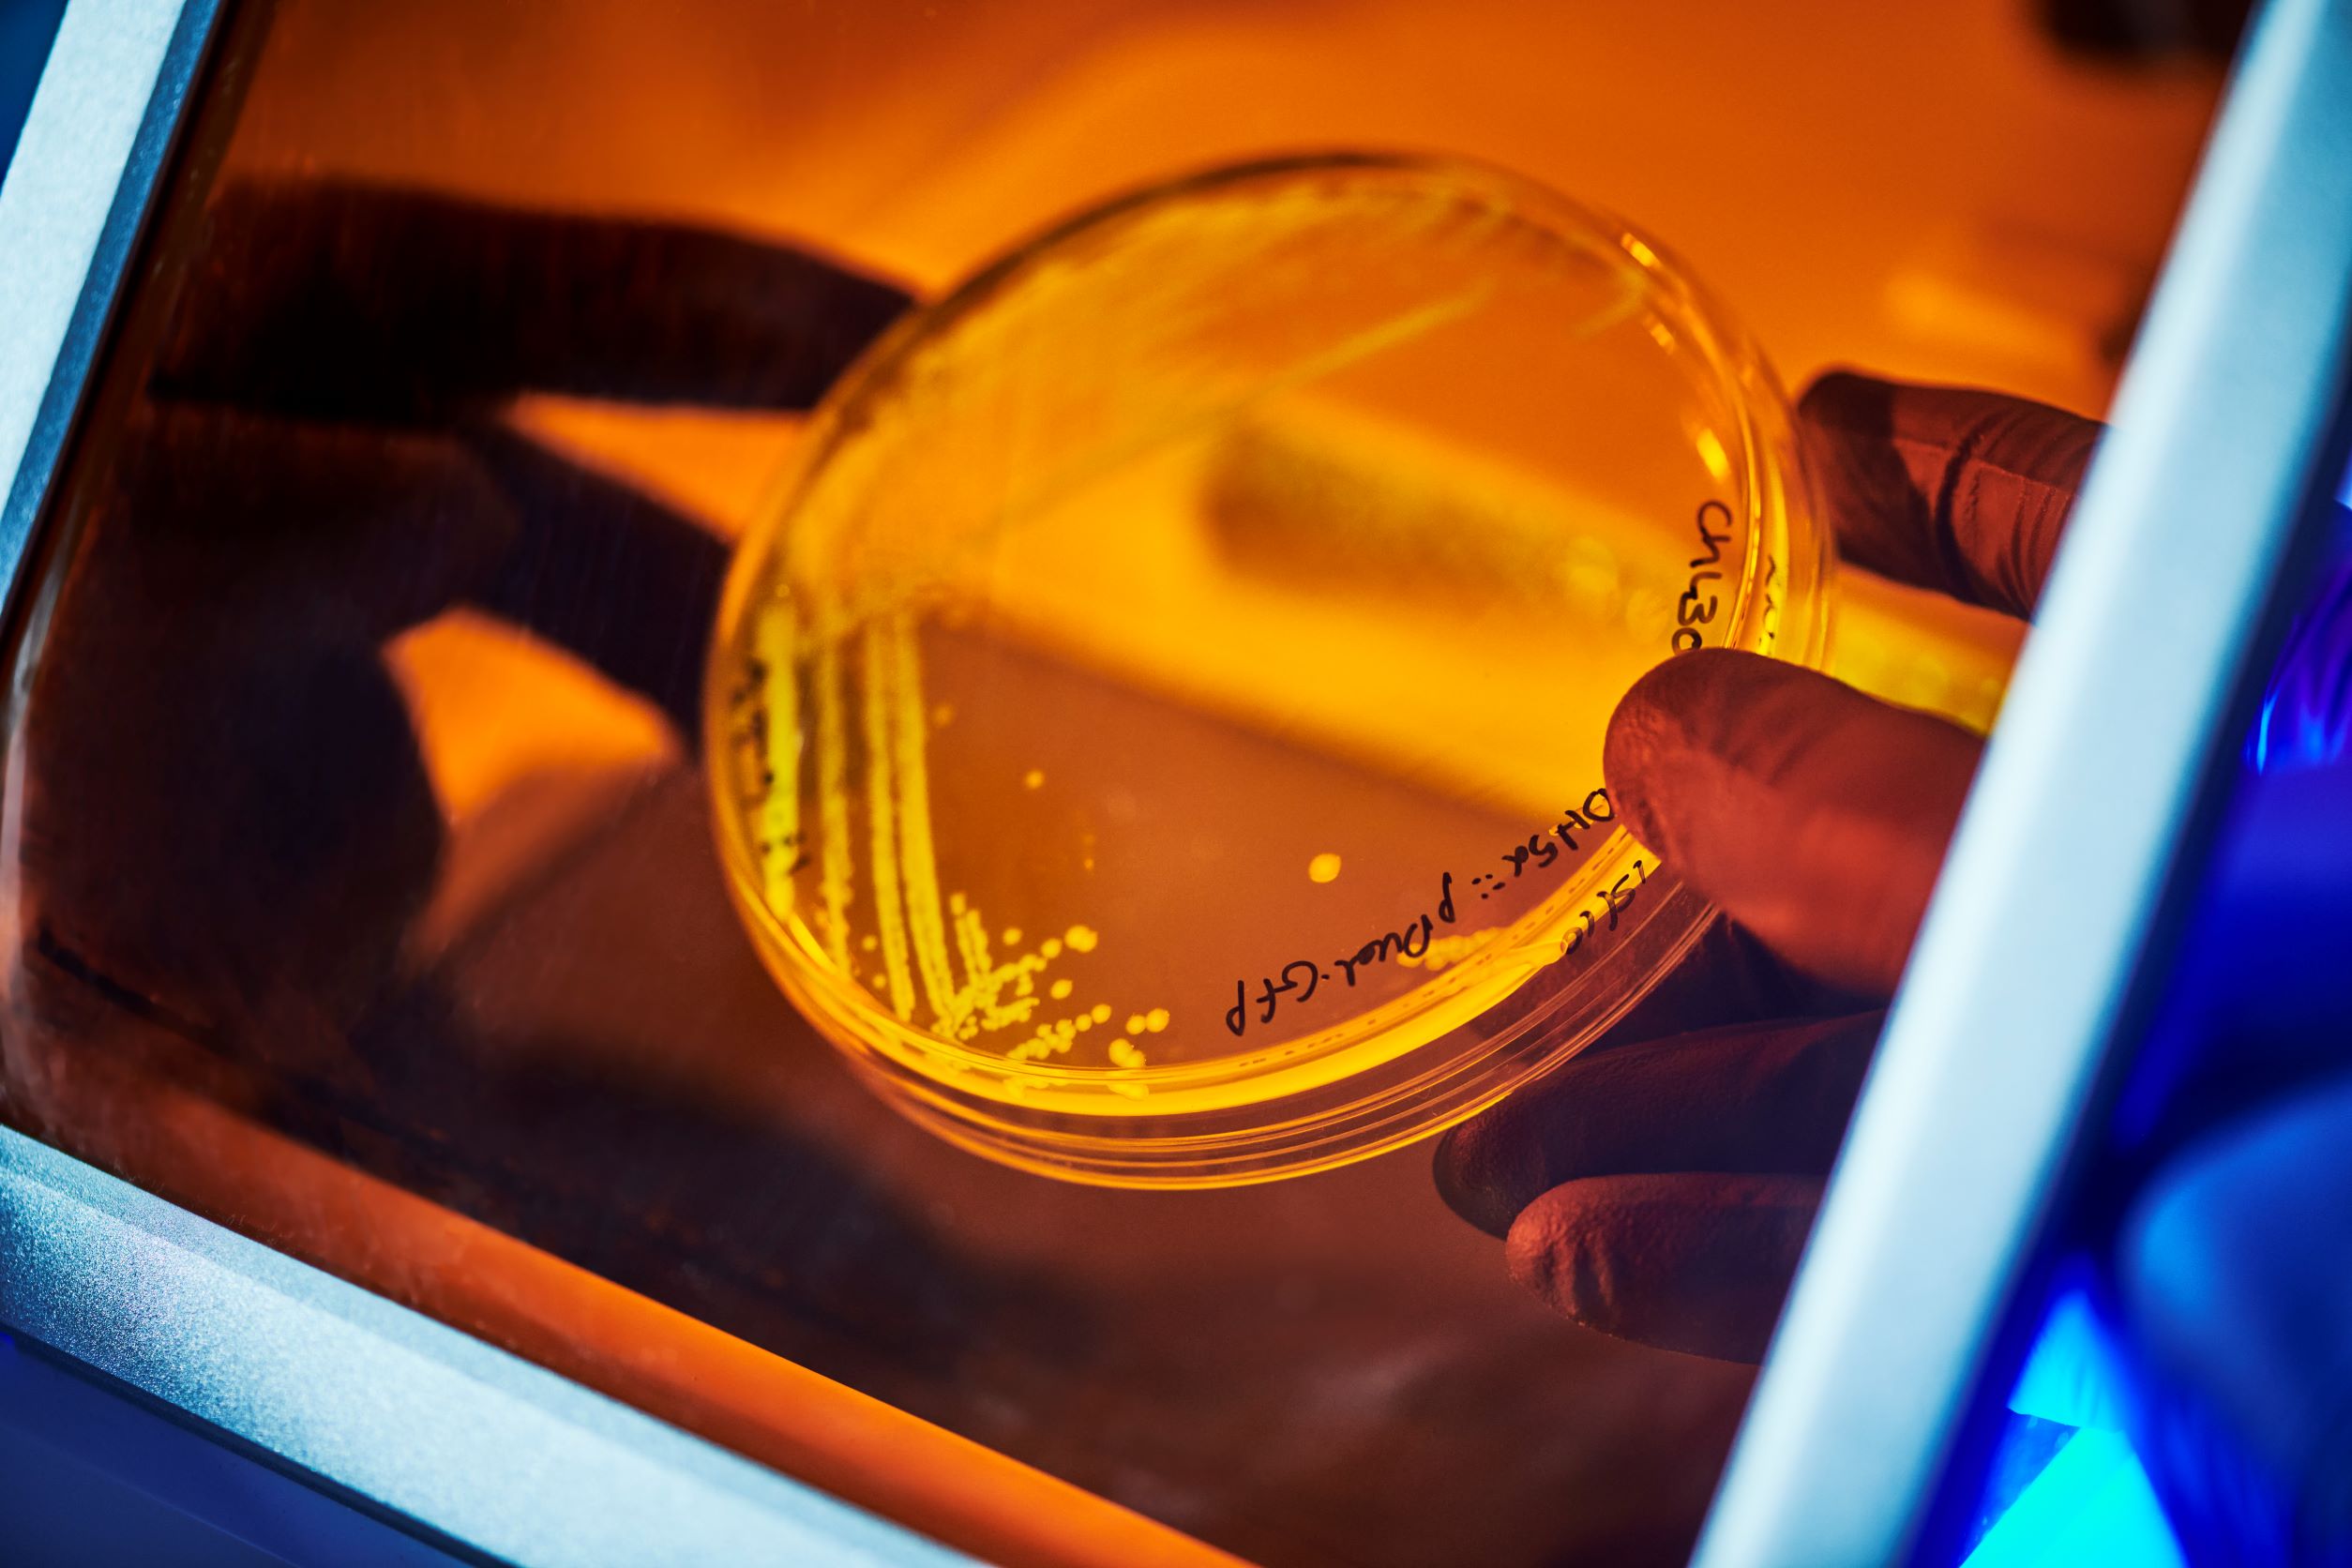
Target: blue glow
(2305,719)
(2091,1504)
(2071,1375)
(2083,1498)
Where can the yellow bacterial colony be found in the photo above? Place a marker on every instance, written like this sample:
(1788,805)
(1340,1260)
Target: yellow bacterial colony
(932,959)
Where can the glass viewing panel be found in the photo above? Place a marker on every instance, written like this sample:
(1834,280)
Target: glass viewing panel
(361,867)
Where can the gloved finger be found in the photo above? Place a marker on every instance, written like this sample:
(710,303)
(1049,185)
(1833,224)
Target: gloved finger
(1769,1097)
(605,573)
(1812,815)
(260,527)
(276,531)
(1943,486)
(1728,976)
(263,792)
(1692,1261)
(358,301)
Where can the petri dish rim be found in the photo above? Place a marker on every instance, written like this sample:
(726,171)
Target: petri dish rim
(1429,1018)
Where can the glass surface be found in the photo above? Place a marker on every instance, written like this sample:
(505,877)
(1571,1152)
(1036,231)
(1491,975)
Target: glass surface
(357,854)
(1162,722)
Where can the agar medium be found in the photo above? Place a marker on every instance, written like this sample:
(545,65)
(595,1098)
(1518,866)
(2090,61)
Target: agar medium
(1156,733)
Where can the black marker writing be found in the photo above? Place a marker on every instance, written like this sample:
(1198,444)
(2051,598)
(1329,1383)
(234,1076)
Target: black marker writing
(1697,607)
(1298,980)
(1615,899)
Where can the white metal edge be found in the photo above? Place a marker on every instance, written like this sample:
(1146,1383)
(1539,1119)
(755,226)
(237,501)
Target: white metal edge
(2067,847)
(61,187)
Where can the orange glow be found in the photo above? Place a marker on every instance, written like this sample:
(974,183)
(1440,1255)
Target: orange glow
(1924,191)
(193,1150)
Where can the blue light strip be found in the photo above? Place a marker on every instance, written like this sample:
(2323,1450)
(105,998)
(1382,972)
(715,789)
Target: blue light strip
(2073,1375)
(2091,1504)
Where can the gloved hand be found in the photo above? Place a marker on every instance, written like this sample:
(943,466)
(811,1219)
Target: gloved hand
(1660,1186)
(224,817)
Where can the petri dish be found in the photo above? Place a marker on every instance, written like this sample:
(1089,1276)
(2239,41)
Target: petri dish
(1155,732)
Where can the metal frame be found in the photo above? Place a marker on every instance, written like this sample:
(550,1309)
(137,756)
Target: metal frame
(90,1472)
(460,1443)
(2067,868)
(110,101)
(2084,838)
(421,1423)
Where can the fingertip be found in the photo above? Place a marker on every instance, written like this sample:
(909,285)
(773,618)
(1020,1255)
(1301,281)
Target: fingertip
(1691,1261)
(1814,815)
(1687,707)
(1949,488)
(1841,401)
(1563,1246)
(1477,1169)
(1639,737)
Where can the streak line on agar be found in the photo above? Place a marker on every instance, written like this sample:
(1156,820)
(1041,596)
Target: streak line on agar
(918,862)
(881,818)
(779,812)
(836,867)
(1073,477)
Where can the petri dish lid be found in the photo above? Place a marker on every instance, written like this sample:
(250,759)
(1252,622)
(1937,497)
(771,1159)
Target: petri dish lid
(1156,729)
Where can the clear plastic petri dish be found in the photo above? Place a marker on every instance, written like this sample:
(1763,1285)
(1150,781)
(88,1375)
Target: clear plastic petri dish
(1155,731)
